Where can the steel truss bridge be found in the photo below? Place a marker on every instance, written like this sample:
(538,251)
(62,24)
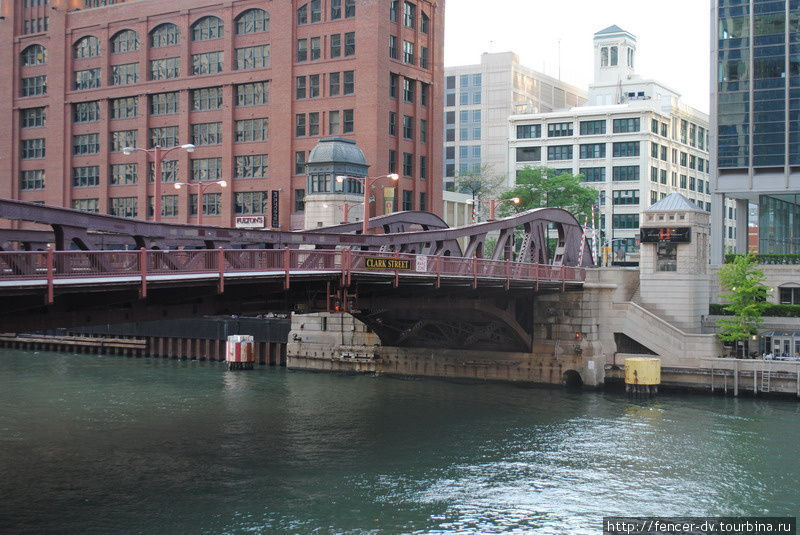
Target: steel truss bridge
(411,281)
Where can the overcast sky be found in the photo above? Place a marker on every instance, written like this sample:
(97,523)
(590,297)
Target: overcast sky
(673,37)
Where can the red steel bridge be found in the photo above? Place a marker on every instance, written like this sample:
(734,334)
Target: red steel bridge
(411,281)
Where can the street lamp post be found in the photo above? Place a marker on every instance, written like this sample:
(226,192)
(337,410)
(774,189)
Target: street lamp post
(201,188)
(493,204)
(158,155)
(368,182)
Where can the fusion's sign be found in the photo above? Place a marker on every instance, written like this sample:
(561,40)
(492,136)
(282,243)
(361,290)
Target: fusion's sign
(390,264)
(250,221)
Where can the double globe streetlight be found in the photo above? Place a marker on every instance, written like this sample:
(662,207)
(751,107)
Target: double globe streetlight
(368,182)
(201,187)
(158,155)
(345,206)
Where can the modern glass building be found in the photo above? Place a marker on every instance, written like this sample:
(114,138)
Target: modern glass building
(755,117)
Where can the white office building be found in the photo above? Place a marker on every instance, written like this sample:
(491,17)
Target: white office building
(634,141)
(480,98)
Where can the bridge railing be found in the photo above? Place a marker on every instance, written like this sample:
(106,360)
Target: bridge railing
(33,265)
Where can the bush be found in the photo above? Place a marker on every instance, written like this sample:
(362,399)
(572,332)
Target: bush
(774,311)
(772,259)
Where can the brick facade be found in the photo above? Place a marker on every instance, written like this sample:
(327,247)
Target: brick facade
(69,21)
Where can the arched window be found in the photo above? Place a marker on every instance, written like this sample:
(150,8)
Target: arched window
(86,47)
(604,57)
(252,21)
(34,55)
(125,41)
(166,34)
(207,28)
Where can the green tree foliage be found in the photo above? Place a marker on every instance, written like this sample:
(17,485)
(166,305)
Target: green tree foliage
(543,187)
(481,184)
(746,297)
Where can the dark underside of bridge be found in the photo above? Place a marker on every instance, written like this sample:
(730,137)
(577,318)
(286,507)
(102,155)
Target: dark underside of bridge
(412,314)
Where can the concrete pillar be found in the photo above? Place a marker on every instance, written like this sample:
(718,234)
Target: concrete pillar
(717,228)
(742,225)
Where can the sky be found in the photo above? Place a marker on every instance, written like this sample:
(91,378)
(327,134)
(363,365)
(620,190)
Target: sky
(673,37)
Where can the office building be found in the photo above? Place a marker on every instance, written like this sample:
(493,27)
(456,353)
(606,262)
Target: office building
(755,118)
(635,142)
(253,85)
(480,98)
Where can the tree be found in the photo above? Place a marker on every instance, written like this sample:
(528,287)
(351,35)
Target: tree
(540,187)
(479,184)
(746,297)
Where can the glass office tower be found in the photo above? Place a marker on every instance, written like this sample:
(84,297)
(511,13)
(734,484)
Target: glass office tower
(756,118)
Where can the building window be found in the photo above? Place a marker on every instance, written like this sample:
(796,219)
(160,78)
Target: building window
(349,82)
(593,150)
(313,86)
(300,162)
(392,123)
(423,169)
(626,197)
(529,154)
(85,176)
(123,174)
(86,47)
(207,98)
(164,69)
(316,48)
(408,164)
(299,200)
(559,129)
(529,131)
(252,21)
(31,180)
(300,125)
(86,79)
(348,123)
(125,74)
(423,131)
(302,49)
(207,134)
(408,89)
(86,205)
(625,221)
(212,204)
(622,126)
(121,139)
(125,41)
(251,202)
(33,85)
(334,122)
(408,52)
(426,23)
(166,34)
(625,149)
(593,174)
(34,117)
(164,103)
(683,181)
(625,173)
(408,127)
(207,63)
(123,206)
(666,257)
(37,25)
(393,51)
(336,45)
(409,15)
(251,166)
(349,9)
(163,136)
(207,28)
(350,44)
(169,206)
(252,57)
(34,55)
(247,130)
(393,85)
(393,10)
(424,89)
(408,200)
(252,94)
(122,108)
(654,174)
(302,15)
(169,170)
(424,57)
(392,161)
(86,144)
(559,152)
(205,169)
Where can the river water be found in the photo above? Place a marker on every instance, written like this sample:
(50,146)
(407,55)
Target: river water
(93,444)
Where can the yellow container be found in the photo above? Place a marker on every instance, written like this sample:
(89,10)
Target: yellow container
(642,371)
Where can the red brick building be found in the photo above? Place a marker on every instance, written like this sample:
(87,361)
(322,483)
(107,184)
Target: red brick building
(252,84)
